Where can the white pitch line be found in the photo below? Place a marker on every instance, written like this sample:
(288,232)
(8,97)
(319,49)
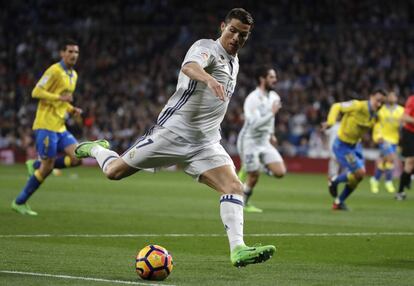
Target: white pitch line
(80,278)
(327,234)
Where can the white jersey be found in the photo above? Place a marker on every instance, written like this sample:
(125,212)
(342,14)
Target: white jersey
(259,120)
(193,111)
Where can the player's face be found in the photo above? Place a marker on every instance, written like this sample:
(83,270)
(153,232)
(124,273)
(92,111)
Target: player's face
(234,35)
(270,80)
(70,55)
(377,99)
(392,98)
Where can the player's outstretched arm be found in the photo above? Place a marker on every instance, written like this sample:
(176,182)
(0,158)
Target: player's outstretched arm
(194,71)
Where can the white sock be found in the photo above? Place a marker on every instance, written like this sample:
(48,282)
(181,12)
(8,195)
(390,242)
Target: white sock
(231,212)
(103,156)
(247,193)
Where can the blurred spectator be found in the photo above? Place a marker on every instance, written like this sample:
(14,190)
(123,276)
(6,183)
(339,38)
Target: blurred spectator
(131,52)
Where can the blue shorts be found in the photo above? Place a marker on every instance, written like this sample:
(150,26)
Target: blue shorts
(349,156)
(49,143)
(387,148)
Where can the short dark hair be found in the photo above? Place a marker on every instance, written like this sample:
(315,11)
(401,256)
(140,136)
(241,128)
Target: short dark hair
(67,42)
(262,71)
(380,90)
(241,15)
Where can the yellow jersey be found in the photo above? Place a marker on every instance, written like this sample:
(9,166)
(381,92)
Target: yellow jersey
(388,125)
(51,111)
(357,118)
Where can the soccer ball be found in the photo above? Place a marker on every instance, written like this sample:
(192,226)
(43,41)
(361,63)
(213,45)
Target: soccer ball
(153,263)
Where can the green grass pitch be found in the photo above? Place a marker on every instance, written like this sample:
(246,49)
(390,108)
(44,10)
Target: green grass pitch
(373,244)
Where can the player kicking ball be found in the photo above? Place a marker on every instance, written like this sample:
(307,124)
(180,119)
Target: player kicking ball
(187,131)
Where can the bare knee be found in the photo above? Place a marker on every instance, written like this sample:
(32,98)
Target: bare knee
(113,173)
(75,161)
(46,168)
(359,174)
(280,173)
(117,170)
(234,187)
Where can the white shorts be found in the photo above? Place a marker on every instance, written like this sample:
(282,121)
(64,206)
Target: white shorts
(253,154)
(161,148)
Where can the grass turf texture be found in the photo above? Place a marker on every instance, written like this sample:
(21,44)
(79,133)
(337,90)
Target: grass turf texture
(82,201)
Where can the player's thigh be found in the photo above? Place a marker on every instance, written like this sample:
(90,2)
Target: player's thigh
(46,143)
(273,160)
(67,143)
(214,167)
(222,179)
(350,161)
(388,151)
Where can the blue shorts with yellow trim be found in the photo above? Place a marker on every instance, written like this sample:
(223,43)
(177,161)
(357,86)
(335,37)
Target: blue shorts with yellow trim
(349,156)
(50,143)
(387,148)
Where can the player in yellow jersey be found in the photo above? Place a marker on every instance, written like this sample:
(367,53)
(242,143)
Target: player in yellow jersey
(55,92)
(386,134)
(358,117)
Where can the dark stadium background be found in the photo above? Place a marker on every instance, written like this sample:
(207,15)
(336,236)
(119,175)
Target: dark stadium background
(131,51)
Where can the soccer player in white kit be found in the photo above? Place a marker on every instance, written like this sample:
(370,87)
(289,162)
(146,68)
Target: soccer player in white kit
(188,131)
(256,139)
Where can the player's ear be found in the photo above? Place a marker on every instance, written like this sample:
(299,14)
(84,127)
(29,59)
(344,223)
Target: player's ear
(222,27)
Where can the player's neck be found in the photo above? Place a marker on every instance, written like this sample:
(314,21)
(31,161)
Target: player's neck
(66,66)
(263,89)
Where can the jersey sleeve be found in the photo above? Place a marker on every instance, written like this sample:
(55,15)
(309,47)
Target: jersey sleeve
(47,80)
(342,107)
(201,53)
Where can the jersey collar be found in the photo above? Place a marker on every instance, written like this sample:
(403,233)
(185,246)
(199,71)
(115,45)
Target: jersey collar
(229,57)
(391,108)
(65,68)
(372,113)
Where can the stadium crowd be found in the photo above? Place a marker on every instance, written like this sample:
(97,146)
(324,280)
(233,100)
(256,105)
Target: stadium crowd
(130,55)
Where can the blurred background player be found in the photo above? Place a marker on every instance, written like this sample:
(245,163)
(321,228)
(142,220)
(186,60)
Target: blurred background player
(407,148)
(386,134)
(55,92)
(358,117)
(188,131)
(256,139)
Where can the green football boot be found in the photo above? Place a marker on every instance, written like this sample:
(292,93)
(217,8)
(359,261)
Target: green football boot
(242,174)
(243,255)
(23,209)
(389,186)
(249,208)
(30,168)
(374,185)
(83,150)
